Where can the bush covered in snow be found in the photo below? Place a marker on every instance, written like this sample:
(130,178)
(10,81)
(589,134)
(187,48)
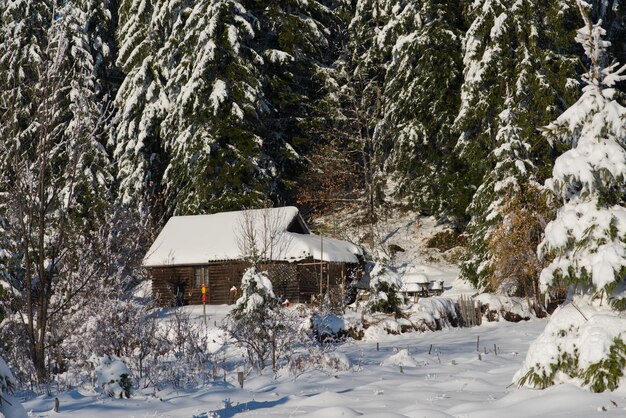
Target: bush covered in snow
(584,342)
(317,357)
(433,313)
(428,314)
(384,286)
(328,327)
(509,308)
(112,376)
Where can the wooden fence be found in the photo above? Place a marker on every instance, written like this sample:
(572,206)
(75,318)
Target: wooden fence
(469,311)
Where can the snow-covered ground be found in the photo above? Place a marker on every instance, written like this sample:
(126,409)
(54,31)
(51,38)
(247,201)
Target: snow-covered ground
(450,381)
(431,374)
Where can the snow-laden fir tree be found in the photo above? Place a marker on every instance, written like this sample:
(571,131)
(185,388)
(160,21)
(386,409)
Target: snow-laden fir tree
(370,31)
(414,140)
(520,49)
(141,105)
(211,108)
(216,103)
(512,178)
(586,244)
(100,23)
(514,81)
(613,16)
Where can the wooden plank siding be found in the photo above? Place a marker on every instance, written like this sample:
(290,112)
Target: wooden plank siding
(299,282)
(165,282)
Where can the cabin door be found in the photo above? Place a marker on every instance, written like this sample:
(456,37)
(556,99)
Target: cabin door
(179,293)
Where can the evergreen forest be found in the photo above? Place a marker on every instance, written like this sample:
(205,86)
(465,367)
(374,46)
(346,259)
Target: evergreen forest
(116,115)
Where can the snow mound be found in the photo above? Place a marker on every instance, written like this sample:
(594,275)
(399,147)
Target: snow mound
(504,307)
(334,412)
(401,358)
(430,413)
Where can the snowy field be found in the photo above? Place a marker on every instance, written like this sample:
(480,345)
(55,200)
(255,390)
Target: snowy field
(432,374)
(450,381)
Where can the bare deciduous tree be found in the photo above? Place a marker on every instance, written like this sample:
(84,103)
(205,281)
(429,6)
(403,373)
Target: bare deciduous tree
(260,236)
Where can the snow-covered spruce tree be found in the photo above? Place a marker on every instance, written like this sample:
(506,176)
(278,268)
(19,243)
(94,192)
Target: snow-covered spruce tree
(259,323)
(521,50)
(513,175)
(136,140)
(414,140)
(299,42)
(211,108)
(100,24)
(217,149)
(586,243)
(514,81)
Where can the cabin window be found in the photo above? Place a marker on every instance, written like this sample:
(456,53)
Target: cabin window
(201,275)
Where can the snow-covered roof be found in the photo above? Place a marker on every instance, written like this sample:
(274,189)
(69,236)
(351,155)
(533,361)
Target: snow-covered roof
(198,239)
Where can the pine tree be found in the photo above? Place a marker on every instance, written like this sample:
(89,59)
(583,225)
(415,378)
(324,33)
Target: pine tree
(512,177)
(413,141)
(525,51)
(517,75)
(586,243)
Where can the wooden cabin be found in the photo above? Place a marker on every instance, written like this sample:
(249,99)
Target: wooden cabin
(215,250)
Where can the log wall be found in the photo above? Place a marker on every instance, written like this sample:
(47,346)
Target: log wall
(298,282)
